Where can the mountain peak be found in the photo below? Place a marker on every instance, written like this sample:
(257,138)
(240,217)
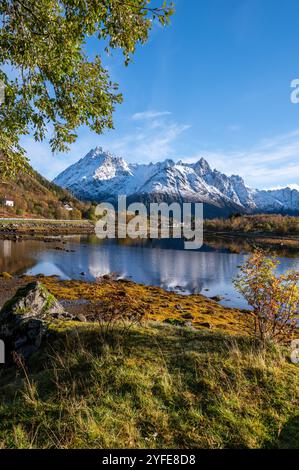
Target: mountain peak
(168,163)
(202,167)
(100,154)
(101,176)
(203,162)
(96,152)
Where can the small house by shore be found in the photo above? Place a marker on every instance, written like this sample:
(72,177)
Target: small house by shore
(8,202)
(67,207)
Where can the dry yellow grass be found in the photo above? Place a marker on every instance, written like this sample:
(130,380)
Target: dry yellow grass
(156,303)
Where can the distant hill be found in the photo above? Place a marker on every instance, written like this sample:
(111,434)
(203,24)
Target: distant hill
(34,196)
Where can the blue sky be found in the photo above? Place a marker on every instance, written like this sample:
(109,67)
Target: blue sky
(215,83)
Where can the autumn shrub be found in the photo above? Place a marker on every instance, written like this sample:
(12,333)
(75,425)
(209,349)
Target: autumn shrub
(273,298)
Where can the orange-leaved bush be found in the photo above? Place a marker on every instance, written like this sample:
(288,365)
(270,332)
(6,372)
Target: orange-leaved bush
(273,298)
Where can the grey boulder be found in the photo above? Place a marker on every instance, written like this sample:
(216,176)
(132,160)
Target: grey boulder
(24,318)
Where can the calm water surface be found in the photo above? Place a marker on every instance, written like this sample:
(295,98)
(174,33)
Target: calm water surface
(161,263)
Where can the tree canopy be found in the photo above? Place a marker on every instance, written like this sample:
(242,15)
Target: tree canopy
(48,76)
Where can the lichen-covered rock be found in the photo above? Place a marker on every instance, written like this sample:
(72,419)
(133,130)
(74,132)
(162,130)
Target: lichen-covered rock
(24,318)
(33,300)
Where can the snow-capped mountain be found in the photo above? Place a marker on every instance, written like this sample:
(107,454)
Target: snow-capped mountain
(100,176)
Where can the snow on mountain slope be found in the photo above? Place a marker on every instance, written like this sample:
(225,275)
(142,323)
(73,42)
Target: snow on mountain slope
(100,176)
(96,173)
(277,200)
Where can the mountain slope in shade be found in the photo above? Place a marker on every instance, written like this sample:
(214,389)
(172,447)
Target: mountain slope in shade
(101,176)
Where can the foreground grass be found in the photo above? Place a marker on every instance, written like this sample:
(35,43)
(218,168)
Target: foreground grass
(159,386)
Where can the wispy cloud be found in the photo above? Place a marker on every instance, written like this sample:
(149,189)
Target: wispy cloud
(152,140)
(273,161)
(149,115)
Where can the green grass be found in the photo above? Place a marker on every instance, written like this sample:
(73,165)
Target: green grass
(159,386)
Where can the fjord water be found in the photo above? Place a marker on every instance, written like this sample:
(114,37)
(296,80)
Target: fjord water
(164,263)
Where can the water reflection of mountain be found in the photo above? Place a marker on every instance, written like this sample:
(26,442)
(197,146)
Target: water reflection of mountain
(15,256)
(165,268)
(172,268)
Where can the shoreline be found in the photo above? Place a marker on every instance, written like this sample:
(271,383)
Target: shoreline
(17,229)
(262,238)
(29,228)
(93,298)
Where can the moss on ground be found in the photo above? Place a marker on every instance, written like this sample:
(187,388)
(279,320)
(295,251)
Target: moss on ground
(156,303)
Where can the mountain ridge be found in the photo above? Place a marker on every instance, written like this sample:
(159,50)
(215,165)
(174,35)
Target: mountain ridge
(101,176)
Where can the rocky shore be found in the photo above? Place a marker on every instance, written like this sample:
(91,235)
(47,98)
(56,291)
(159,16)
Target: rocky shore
(14,229)
(28,304)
